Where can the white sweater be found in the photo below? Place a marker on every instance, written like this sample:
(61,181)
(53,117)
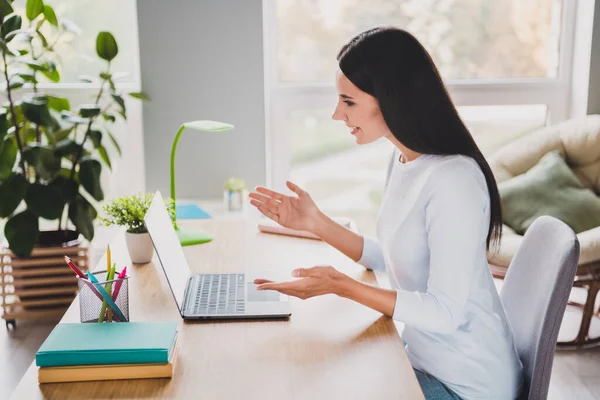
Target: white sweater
(432,229)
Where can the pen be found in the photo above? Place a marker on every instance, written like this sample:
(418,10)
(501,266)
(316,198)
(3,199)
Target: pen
(74,267)
(115,293)
(121,275)
(109,277)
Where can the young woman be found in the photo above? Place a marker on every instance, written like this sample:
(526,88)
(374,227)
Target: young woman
(439,214)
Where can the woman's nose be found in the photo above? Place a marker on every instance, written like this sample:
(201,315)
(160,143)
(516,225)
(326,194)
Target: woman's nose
(338,115)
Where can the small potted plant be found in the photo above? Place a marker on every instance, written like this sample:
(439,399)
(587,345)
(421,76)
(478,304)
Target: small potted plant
(129,211)
(235,193)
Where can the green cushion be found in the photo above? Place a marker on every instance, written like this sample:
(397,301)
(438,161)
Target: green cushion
(549,188)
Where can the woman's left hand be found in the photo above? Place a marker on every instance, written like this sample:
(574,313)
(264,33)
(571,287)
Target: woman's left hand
(316,281)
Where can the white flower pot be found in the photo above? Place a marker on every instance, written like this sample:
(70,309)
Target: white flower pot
(140,247)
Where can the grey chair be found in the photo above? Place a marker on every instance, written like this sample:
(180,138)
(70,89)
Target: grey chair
(535,294)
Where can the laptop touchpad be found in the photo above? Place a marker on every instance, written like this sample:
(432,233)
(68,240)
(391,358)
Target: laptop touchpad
(260,295)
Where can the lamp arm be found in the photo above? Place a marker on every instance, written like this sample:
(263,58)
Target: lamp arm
(181,129)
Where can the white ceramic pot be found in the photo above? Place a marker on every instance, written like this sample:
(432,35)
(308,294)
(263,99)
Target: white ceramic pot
(140,247)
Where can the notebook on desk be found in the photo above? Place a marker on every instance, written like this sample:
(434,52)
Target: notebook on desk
(108,343)
(82,373)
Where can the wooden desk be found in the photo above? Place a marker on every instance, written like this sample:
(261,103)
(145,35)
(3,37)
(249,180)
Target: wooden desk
(330,348)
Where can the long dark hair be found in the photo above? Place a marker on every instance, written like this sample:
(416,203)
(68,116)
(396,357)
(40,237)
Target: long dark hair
(391,65)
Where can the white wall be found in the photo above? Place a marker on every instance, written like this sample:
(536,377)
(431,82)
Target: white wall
(202,59)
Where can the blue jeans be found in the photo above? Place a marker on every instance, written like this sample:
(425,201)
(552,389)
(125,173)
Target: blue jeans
(434,389)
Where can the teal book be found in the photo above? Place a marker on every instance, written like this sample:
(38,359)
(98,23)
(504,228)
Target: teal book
(108,343)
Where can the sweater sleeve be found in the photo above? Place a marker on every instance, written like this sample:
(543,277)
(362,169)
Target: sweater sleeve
(372,256)
(457,219)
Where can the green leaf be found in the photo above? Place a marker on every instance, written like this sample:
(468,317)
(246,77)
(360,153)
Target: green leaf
(73,118)
(12,191)
(109,117)
(49,136)
(11,24)
(8,157)
(5,9)
(139,95)
(66,147)
(62,134)
(111,83)
(42,159)
(38,26)
(51,72)
(106,46)
(104,156)
(82,214)
(115,143)
(5,49)
(96,137)
(27,78)
(54,76)
(35,65)
(22,231)
(16,82)
(58,103)
(33,9)
(19,117)
(106,76)
(119,100)
(89,110)
(45,201)
(89,175)
(68,188)
(50,15)
(36,110)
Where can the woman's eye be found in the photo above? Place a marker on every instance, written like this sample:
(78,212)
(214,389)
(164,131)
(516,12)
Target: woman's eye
(349,103)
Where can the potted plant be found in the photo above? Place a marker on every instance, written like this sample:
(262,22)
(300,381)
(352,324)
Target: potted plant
(235,194)
(51,153)
(129,212)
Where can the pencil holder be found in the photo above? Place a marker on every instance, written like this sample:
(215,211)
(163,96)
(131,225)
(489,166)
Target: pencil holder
(93,308)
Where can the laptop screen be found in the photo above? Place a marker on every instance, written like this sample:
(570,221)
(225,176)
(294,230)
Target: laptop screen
(167,247)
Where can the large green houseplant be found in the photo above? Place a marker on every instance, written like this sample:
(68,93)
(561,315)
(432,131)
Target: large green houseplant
(51,154)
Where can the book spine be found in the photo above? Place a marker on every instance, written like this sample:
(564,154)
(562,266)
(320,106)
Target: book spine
(55,359)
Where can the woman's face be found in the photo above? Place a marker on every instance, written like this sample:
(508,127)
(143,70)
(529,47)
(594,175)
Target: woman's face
(360,112)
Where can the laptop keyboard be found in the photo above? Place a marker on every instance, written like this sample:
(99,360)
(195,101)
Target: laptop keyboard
(220,294)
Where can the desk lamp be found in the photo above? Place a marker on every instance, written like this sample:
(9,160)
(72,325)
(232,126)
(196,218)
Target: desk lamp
(188,236)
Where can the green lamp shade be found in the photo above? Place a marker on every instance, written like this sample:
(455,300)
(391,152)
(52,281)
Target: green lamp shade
(208,126)
(188,237)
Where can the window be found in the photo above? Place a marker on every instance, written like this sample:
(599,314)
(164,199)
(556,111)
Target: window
(468,39)
(506,64)
(78,57)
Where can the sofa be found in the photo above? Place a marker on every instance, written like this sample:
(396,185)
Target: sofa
(578,141)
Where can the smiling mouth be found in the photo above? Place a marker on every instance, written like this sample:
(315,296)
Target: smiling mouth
(354,130)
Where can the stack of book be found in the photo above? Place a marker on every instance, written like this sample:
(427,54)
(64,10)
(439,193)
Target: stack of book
(101,351)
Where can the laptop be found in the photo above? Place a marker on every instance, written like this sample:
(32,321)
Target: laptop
(207,296)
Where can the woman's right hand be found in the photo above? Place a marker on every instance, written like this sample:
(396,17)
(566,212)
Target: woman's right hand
(300,213)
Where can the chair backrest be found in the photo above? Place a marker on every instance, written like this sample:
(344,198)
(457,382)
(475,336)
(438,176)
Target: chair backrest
(535,294)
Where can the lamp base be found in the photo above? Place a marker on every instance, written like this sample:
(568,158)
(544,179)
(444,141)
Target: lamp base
(189,237)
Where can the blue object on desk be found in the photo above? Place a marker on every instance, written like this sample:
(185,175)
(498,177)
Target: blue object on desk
(191,211)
